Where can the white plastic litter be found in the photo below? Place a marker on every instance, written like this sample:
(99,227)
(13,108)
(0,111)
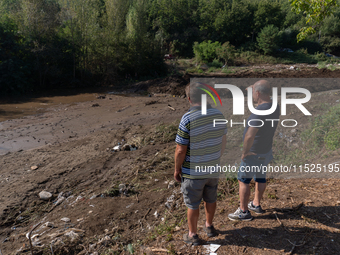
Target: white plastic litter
(212,248)
(116,148)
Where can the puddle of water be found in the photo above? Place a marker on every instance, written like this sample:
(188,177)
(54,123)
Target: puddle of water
(34,106)
(19,107)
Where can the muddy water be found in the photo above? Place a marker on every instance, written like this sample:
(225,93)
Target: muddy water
(50,120)
(14,109)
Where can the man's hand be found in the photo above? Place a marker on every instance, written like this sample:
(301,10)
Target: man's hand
(247,154)
(178,176)
(248,142)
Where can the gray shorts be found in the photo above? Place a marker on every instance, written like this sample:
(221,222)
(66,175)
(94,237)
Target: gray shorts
(195,189)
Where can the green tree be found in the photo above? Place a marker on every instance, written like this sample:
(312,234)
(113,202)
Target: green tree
(176,23)
(267,13)
(316,11)
(268,39)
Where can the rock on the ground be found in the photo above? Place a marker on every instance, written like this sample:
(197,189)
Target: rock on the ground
(34,167)
(122,186)
(44,195)
(49,224)
(65,219)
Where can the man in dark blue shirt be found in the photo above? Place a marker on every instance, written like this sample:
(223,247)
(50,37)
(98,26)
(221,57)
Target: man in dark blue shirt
(257,151)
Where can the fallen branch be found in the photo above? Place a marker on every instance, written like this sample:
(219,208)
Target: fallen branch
(277,217)
(295,245)
(327,216)
(29,236)
(147,213)
(159,250)
(52,250)
(170,107)
(287,209)
(291,251)
(120,110)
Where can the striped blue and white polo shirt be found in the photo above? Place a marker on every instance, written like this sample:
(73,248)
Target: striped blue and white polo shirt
(204,141)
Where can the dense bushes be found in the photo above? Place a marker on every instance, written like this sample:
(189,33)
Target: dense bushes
(269,39)
(206,51)
(54,43)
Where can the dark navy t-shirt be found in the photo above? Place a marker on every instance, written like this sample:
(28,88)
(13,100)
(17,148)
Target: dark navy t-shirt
(264,137)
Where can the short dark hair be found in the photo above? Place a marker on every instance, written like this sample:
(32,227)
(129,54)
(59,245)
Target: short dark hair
(264,89)
(194,92)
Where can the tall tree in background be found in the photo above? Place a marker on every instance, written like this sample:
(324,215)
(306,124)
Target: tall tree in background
(316,11)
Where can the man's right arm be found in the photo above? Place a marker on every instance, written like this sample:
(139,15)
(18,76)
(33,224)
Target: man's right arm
(180,153)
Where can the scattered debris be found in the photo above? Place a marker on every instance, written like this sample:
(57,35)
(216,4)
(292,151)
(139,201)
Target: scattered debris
(73,235)
(34,167)
(49,224)
(59,201)
(128,147)
(170,201)
(95,105)
(171,184)
(101,97)
(29,236)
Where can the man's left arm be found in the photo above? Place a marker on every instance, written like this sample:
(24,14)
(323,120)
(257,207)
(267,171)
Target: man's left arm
(180,153)
(248,141)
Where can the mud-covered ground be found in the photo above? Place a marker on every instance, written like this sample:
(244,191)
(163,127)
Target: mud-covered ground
(71,145)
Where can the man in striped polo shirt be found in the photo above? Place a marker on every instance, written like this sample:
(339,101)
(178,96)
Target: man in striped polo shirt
(198,151)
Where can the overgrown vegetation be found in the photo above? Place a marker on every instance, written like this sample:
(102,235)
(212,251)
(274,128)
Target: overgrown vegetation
(324,131)
(319,139)
(54,43)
